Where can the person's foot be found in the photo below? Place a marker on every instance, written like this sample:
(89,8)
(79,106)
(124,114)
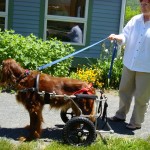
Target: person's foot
(132,127)
(116,119)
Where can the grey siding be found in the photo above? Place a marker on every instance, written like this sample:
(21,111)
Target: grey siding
(105,20)
(26,17)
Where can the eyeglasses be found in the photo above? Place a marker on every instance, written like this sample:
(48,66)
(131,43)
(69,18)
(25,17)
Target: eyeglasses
(144,4)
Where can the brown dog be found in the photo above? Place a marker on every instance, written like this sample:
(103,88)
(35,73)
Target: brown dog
(30,83)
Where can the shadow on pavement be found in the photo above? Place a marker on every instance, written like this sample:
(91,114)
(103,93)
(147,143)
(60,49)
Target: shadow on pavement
(48,134)
(118,127)
(13,133)
(55,133)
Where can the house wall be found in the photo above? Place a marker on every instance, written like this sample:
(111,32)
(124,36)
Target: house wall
(105,20)
(26,17)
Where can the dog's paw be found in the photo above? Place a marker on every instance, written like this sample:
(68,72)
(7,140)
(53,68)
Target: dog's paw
(22,139)
(25,139)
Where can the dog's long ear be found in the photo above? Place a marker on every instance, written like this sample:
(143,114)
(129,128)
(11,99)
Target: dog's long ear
(11,70)
(15,68)
(5,72)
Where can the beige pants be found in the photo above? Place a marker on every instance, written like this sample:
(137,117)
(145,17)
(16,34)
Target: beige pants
(137,85)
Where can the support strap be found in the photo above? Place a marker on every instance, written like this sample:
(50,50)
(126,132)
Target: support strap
(33,89)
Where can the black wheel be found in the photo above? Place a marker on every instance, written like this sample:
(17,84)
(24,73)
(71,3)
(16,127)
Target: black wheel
(79,131)
(66,115)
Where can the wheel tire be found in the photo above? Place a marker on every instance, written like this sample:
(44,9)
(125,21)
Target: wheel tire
(79,131)
(66,115)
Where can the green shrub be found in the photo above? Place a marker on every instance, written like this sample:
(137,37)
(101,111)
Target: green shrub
(97,72)
(103,66)
(32,52)
(130,12)
(89,75)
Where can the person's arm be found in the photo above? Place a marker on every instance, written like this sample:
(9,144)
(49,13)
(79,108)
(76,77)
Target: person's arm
(118,37)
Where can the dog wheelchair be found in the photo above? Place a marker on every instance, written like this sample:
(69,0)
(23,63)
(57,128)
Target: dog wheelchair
(79,130)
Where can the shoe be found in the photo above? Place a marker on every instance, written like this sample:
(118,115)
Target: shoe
(132,127)
(116,119)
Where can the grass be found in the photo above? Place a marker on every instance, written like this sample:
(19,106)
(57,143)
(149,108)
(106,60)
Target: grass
(113,143)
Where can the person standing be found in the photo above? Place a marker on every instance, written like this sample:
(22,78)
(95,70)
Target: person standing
(75,34)
(135,80)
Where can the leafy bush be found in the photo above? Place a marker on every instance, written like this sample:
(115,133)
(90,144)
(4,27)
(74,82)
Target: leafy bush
(32,52)
(130,13)
(97,73)
(90,75)
(104,66)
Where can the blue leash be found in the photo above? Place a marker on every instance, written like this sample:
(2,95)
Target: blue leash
(61,59)
(112,60)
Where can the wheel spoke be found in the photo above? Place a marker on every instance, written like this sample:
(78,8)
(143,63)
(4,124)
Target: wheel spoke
(79,131)
(66,115)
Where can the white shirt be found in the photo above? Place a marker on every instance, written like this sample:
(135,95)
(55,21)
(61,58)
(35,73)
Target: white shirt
(136,37)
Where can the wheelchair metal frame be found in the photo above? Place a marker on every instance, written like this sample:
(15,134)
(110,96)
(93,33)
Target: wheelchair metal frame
(101,113)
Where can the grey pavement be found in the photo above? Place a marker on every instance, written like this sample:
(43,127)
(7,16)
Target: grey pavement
(120,128)
(14,117)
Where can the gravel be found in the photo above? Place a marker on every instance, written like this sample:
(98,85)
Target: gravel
(14,117)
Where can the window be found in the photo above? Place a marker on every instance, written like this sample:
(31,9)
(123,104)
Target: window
(3,14)
(66,20)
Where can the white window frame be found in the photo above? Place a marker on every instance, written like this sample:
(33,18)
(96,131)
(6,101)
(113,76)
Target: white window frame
(5,14)
(67,19)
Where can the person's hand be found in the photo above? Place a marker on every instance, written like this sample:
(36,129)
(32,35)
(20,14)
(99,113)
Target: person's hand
(115,37)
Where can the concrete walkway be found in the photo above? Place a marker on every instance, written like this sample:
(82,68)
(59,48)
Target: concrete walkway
(14,117)
(119,127)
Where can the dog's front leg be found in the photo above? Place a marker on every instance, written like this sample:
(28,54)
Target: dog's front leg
(36,119)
